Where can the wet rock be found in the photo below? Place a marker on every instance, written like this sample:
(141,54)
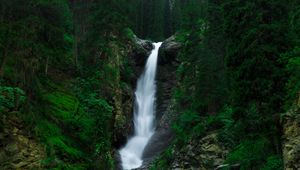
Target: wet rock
(124,124)
(166,81)
(118,162)
(158,142)
(146,44)
(141,50)
(169,50)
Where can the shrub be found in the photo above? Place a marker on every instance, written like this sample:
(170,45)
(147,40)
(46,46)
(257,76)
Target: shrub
(273,162)
(292,62)
(11,98)
(250,154)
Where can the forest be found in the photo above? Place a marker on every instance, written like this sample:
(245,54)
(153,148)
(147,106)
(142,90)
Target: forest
(227,83)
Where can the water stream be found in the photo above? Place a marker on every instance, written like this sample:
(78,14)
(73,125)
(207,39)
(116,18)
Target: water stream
(144,114)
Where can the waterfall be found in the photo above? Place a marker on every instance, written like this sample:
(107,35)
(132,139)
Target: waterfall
(144,114)
(171,5)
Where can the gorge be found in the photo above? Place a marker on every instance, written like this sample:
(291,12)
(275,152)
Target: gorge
(83,86)
(144,114)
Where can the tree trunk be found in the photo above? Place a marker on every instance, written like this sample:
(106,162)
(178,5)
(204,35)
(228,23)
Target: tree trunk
(3,63)
(47,65)
(75,51)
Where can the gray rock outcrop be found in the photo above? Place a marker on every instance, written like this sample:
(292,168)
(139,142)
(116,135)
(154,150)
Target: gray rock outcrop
(141,50)
(18,149)
(169,50)
(291,139)
(206,154)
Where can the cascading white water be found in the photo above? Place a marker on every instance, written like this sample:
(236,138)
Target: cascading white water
(131,154)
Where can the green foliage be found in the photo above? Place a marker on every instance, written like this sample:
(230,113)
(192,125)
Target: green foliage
(61,105)
(273,162)
(192,11)
(246,52)
(238,66)
(74,130)
(292,63)
(35,37)
(202,70)
(96,105)
(191,125)
(54,127)
(185,123)
(128,33)
(148,18)
(11,98)
(163,161)
(257,78)
(182,36)
(294,18)
(57,143)
(243,57)
(99,111)
(250,154)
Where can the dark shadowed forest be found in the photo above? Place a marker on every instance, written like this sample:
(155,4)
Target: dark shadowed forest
(228,83)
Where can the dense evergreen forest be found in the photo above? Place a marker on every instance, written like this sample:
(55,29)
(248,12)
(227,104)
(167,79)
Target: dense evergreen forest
(68,71)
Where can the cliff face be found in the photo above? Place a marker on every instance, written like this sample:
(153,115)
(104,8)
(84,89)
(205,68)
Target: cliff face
(205,154)
(18,148)
(166,81)
(165,114)
(136,52)
(291,138)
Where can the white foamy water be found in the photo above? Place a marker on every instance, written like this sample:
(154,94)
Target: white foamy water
(144,114)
